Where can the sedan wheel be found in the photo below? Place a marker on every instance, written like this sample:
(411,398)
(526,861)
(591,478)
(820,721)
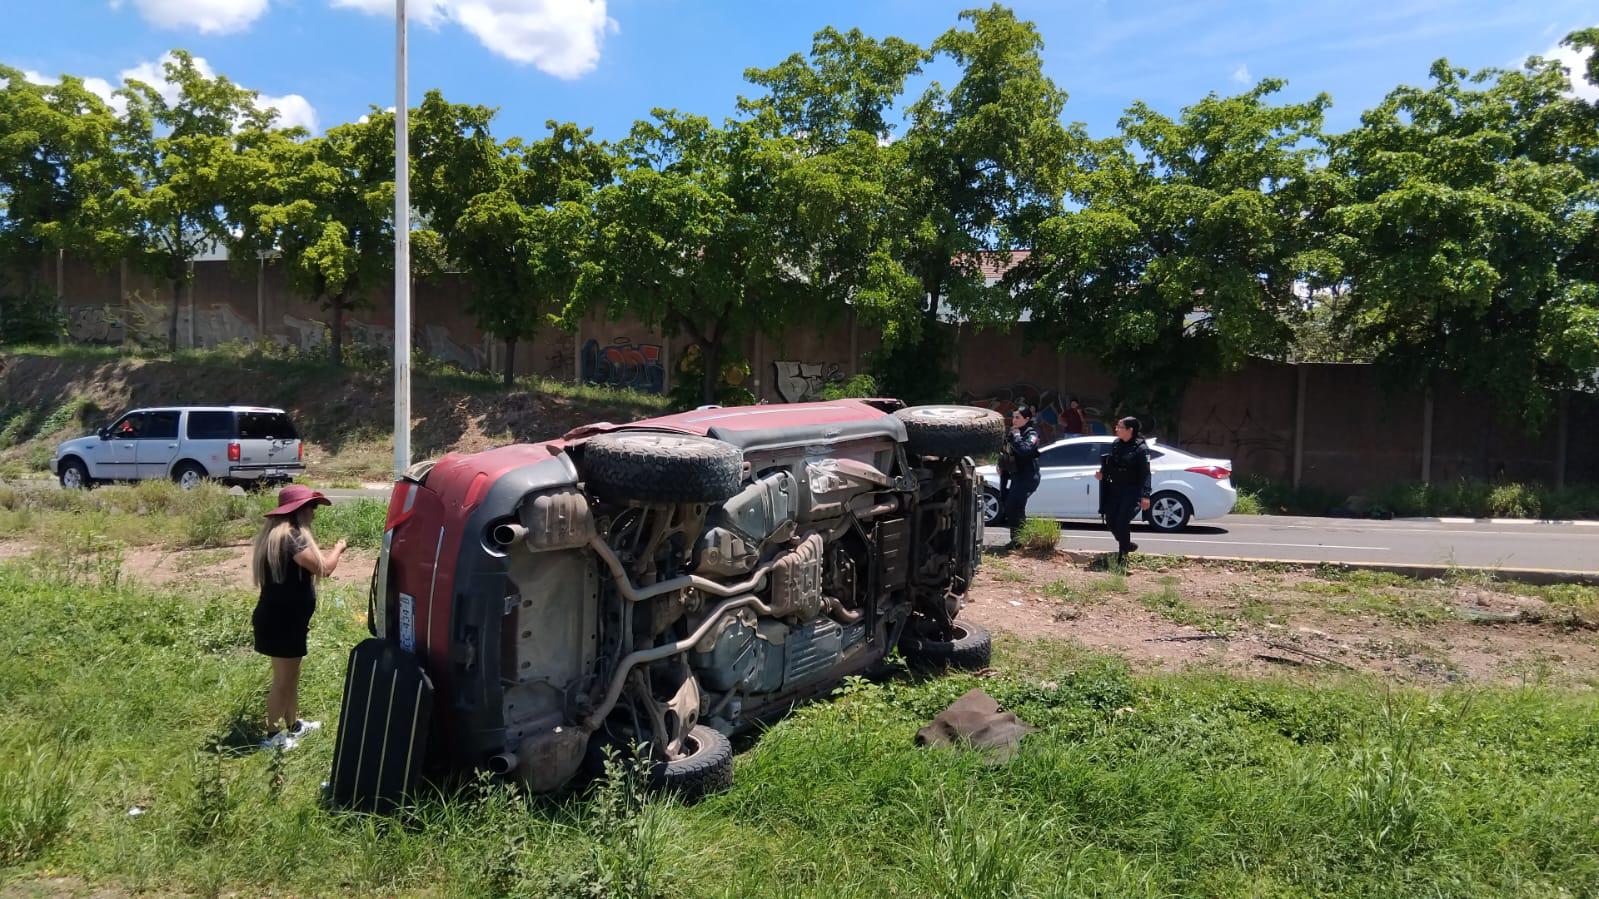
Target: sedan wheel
(1169,512)
(990,507)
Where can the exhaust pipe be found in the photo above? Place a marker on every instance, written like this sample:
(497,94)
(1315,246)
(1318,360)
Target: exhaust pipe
(507,534)
(503,763)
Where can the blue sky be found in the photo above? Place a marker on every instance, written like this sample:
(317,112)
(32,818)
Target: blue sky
(605,63)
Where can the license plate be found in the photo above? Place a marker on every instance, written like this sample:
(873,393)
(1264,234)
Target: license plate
(274,472)
(407,623)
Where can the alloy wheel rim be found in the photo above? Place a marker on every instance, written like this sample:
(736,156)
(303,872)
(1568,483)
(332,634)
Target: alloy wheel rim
(1168,513)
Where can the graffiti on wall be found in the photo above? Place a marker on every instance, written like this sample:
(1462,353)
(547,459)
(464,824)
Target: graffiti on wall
(638,366)
(96,324)
(1235,433)
(799,382)
(1049,406)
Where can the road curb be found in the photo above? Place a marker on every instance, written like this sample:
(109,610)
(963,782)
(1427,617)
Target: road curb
(1536,576)
(1422,519)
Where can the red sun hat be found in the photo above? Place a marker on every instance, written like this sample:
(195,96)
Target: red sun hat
(294,496)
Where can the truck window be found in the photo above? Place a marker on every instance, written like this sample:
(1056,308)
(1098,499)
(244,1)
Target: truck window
(266,426)
(210,426)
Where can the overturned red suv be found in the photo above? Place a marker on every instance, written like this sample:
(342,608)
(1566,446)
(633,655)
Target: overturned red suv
(663,583)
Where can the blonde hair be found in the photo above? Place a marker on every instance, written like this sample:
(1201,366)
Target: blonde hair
(270,561)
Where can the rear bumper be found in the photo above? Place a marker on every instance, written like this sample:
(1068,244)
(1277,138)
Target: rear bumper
(1215,502)
(260,472)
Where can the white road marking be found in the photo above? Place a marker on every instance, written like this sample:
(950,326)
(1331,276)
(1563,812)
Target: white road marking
(1380,549)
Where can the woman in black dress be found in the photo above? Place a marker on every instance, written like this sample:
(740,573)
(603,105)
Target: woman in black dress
(285,563)
(1124,483)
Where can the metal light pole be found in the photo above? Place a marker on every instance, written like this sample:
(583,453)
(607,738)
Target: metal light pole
(402,253)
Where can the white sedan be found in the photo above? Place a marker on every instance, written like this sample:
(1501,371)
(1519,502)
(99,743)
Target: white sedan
(1183,486)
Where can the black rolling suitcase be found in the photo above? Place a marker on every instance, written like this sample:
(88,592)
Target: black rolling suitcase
(383,728)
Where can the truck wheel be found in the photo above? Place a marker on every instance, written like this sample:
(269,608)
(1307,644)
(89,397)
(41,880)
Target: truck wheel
(952,431)
(189,475)
(708,770)
(662,468)
(74,476)
(969,650)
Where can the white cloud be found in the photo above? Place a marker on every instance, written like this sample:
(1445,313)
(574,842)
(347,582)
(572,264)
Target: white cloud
(33,77)
(1577,67)
(294,111)
(560,37)
(204,16)
(1241,75)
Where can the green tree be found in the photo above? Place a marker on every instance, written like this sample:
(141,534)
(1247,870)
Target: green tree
(55,143)
(1466,229)
(978,165)
(326,205)
(717,233)
(519,240)
(1191,236)
(173,163)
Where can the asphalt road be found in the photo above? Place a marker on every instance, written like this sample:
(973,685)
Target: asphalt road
(1473,544)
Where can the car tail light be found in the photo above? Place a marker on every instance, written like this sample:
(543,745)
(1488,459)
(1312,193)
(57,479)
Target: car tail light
(299,452)
(401,502)
(233,452)
(1211,471)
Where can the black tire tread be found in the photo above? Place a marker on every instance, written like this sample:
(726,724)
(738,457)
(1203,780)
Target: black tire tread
(946,436)
(971,650)
(689,470)
(709,770)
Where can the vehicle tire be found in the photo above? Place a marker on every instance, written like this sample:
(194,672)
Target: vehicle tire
(952,431)
(970,650)
(75,475)
(662,468)
(708,770)
(189,475)
(1168,511)
(993,511)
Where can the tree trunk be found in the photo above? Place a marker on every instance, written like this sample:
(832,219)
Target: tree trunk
(172,320)
(711,353)
(510,360)
(337,354)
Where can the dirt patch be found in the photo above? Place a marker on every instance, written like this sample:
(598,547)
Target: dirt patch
(1185,615)
(227,566)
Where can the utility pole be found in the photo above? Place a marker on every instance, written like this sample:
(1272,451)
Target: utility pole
(402,253)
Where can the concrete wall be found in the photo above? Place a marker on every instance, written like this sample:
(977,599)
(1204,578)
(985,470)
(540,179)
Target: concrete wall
(1332,426)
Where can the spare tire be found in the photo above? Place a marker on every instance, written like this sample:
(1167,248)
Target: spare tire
(707,770)
(656,467)
(952,431)
(970,649)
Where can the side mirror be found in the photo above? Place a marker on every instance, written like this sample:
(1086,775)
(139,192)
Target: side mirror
(105,433)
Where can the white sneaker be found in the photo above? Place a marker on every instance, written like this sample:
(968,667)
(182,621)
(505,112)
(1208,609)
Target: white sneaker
(303,727)
(279,741)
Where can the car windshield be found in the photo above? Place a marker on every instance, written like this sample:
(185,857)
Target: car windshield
(266,426)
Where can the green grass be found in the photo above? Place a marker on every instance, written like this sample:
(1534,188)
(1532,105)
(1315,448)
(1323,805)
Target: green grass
(1038,535)
(1168,603)
(116,698)
(159,513)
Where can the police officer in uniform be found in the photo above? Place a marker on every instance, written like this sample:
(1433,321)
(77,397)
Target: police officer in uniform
(1021,444)
(1124,483)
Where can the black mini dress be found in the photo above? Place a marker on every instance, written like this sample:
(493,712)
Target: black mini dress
(283,613)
